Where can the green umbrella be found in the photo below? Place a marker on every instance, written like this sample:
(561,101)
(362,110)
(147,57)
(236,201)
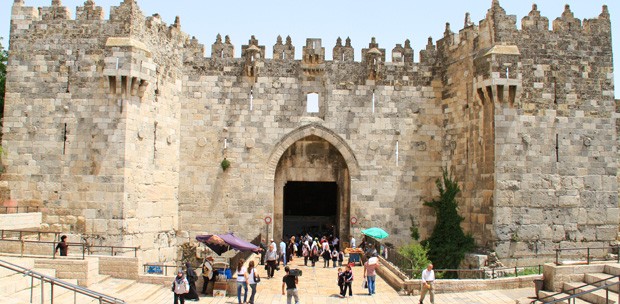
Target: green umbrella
(376,233)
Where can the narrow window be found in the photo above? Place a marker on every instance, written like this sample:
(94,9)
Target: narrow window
(68,79)
(64,139)
(373,101)
(251,99)
(312,103)
(557,148)
(397,147)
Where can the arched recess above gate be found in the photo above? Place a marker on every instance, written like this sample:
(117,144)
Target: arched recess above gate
(320,131)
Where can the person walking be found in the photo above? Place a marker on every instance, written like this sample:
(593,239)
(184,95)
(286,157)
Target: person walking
(334,257)
(327,256)
(314,252)
(272,259)
(370,274)
(180,287)
(263,250)
(62,246)
(207,273)
(305,251)
(428,284)
(290,282)
(282,252)
(242,281)
(348,282)
(192,277)
(252,280)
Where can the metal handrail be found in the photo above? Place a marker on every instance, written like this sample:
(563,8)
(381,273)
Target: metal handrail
(22,233)
(5,209)
(588,249)
(576,295)
(55,282)
(86,249)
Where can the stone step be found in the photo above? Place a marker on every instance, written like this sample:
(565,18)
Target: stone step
(596,297)
(17,281)
(590,278)
(161,296)
(137,292)
(560,296)
(59,292)
(112,286)
(612,269)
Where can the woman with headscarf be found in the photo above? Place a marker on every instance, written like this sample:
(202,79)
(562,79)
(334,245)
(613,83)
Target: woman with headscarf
(180,287)
(191,278)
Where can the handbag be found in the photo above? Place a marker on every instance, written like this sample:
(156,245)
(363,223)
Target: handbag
(365,284)
(256,277)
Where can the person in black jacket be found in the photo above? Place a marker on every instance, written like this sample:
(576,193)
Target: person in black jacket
(192,295)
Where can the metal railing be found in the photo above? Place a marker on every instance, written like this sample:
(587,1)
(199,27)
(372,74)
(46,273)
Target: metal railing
(22,234)
(18,209)
(83,248)
(53,282)
(391,255)
(588,253)
(550,299)
(491,273)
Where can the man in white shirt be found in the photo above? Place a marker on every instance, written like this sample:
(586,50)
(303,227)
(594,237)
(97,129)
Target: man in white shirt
(282,252)
(428,282)
(352,242)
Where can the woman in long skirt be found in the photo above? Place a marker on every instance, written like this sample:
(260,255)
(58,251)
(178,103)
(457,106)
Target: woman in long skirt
(191,278)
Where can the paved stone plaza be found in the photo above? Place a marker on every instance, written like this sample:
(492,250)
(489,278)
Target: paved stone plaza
(318,286)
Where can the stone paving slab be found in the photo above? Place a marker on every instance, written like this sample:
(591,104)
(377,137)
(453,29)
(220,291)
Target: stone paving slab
(318,286)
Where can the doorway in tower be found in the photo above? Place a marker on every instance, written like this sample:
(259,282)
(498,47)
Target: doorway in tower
(310,207)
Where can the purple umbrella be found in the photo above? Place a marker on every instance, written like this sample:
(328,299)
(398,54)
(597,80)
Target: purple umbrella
(221,243)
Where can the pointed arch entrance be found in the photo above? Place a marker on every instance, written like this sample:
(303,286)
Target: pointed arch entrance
(312,170)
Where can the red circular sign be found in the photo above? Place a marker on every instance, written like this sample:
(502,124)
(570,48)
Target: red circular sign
(268,220)
(353,220)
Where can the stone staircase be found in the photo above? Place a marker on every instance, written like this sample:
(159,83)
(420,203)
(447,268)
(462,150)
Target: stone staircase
(591,281)
(15,288)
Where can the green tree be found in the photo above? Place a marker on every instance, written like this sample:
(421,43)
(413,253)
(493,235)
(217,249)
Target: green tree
(448,243)
(3,61)
(418,255)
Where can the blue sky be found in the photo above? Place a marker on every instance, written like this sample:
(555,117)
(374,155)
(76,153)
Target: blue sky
(390,22)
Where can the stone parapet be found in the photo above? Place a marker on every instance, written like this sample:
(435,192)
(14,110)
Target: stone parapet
(120,267)
(19,221)
(85,271)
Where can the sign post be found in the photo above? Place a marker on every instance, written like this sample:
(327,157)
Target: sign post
(267,222)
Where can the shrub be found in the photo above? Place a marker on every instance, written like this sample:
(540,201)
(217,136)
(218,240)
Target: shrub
(418,255)
(448,243)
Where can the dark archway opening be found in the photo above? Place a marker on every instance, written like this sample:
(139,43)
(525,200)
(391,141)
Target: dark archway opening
(310,207)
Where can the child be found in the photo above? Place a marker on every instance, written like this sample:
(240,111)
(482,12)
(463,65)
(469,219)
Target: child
(341,280)
(334,257)
(340,258)
(348,282)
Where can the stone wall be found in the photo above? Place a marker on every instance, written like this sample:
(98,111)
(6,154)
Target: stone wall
(120,267)
(131,122)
